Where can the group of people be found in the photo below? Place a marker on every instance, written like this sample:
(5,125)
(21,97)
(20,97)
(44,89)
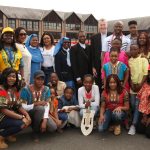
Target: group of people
(47,86)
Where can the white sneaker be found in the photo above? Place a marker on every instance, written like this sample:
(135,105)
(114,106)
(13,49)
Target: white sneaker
(132,130)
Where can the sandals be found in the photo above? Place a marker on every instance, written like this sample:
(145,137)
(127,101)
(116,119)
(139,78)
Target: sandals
(117,130)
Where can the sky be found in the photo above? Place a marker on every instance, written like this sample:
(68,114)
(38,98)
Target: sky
(108,9)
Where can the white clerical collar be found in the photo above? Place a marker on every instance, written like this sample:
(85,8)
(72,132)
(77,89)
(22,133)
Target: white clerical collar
(82,45)
(67,50)
(32,47)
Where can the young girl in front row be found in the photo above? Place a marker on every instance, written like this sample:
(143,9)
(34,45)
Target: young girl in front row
(68,108)
(115,103)
(54,109)
(90,93)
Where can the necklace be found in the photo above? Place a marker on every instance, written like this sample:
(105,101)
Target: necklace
(113,96)
(12,94)
(36,95)
(114,67)
(88,95)
(8,62)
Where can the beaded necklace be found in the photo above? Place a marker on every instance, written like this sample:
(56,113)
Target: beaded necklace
(113,97)
(36,95)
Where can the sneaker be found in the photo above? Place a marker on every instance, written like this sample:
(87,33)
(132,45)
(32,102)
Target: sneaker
(132,130)
(117,130)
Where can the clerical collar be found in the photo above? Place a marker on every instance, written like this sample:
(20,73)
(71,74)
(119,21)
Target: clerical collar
(66,50)
(32,47)
(82,45)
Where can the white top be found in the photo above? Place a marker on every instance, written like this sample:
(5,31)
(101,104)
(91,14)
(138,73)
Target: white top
(107,43)
(48,58)
(30,107)
(27,61)
(103,36)
(95,96)
(132,39)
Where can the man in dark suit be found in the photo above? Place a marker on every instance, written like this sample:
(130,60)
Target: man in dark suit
(81,59)
(96,50)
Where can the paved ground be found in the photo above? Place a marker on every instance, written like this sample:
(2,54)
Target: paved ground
(72,139)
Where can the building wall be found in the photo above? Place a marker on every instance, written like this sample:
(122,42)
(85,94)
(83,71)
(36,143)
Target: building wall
(53,23)
(52,17)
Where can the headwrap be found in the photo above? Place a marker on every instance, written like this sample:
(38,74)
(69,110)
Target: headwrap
(34,51)
(59,44)
(27,44)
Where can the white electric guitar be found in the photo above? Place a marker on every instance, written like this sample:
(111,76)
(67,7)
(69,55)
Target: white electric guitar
(87,120)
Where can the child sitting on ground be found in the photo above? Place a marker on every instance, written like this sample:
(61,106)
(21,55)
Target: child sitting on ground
(68,108)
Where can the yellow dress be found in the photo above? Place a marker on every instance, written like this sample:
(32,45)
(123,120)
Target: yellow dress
(4,60)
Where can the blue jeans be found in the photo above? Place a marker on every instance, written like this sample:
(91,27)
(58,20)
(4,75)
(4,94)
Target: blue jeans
(10,126)
(96,108)
(134,101)
(63,116)
(110,116)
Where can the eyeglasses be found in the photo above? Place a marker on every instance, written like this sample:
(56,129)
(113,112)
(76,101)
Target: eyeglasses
(22,34)
(46,38)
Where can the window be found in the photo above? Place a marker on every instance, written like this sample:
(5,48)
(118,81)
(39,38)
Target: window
(29,25)
(73,27)
(92,29)
(23,23)
(57,35)
(35,25)
(59,26)
(12,23)
(52,26)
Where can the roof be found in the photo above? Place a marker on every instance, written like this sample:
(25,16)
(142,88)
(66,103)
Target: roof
(24,13)
(60,14)
(83,17)
(143,23)
(37,14)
